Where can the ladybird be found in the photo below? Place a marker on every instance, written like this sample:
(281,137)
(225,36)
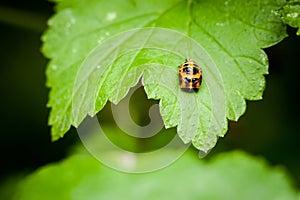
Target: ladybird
(190,76)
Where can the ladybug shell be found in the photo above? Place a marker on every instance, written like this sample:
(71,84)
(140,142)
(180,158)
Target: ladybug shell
(190,76)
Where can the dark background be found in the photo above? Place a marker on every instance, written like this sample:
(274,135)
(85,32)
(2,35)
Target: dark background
(25,137)
(269,128)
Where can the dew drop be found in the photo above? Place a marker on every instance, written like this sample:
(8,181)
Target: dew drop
(54,67)
(100,39)
(110,16)
(72,20)
(74,50)
(220,24)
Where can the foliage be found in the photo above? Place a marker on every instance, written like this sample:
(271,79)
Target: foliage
(290,14)
(234,175)
(230,33)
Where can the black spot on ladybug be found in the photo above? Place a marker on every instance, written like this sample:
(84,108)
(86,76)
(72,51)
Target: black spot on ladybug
(195,70)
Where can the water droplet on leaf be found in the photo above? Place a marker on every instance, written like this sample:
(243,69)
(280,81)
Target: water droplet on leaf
(110,16)
(54,67)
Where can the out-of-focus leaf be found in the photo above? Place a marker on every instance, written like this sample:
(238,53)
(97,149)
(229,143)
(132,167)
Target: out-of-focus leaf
(234,175)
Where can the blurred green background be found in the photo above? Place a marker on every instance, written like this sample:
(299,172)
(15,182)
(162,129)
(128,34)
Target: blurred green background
(269,128)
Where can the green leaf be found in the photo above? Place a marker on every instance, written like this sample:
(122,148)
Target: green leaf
(290,14)
(224,37)
(234,175)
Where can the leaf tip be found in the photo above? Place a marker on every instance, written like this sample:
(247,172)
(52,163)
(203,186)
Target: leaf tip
(57,133)
(54,137)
